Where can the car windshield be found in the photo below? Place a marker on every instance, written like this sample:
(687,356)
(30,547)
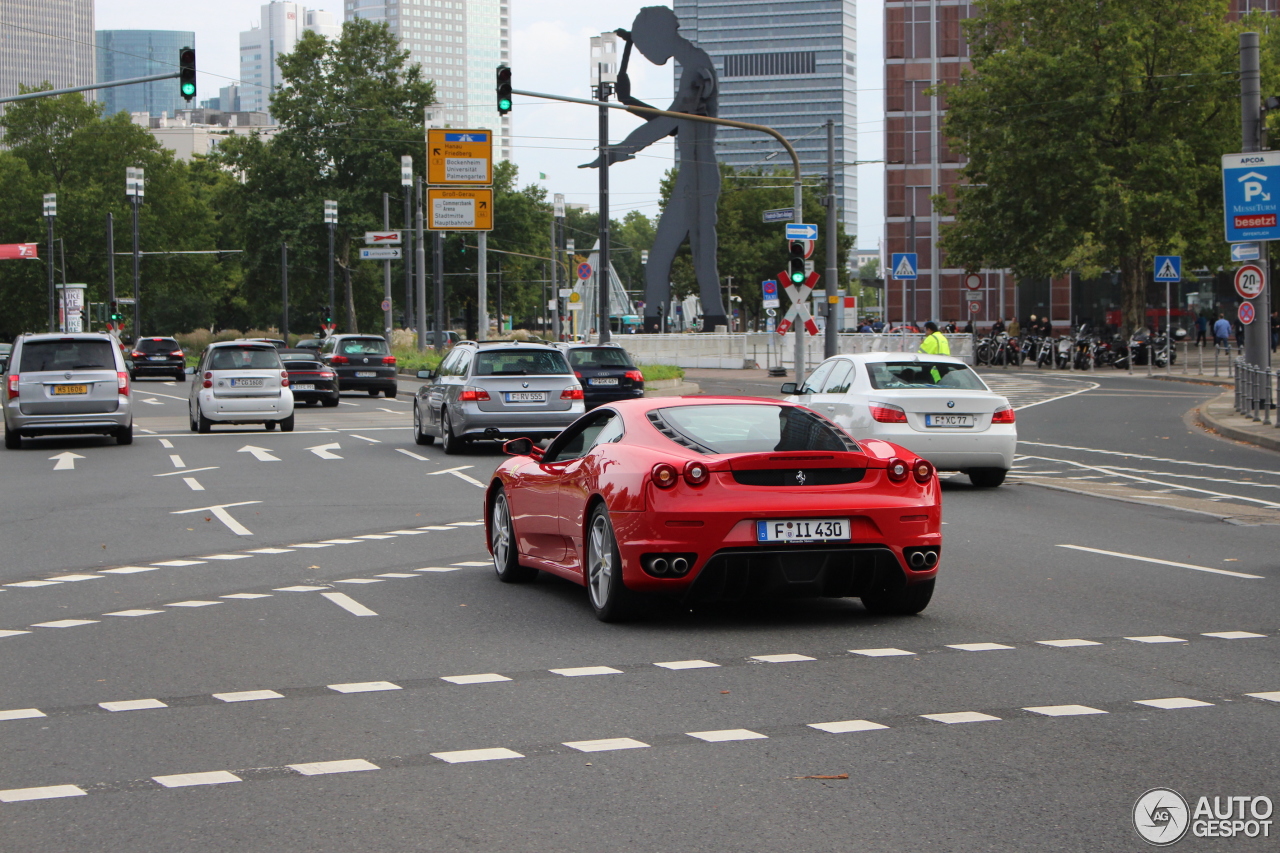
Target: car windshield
(73,354)
(923,375)
(363,346)
(297,356)
(749,429)
(245,358)
(594,357)
(157,345)
(520,363)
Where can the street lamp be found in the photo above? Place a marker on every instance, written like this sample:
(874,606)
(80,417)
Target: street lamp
(134,189)
(331,220)
(604,73)
(51,213)
(406,184)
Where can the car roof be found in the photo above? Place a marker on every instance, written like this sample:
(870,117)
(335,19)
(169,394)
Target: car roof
(358,335)
(489,346)
(298,351)
(242,342)
(879,357)
(62,336)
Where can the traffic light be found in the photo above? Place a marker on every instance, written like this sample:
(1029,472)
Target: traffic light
(328,314)
(187,73)
(795,261)
(504,90)
(113,313)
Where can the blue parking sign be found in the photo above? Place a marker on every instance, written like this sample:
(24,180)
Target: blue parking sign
(1251,196)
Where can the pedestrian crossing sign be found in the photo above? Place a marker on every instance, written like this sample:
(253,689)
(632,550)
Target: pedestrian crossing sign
(904,265)
(1168,268)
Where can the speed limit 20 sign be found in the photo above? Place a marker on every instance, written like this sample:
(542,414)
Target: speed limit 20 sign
(1249,281)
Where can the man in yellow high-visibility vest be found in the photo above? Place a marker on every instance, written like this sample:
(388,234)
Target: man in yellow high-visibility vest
(935,343)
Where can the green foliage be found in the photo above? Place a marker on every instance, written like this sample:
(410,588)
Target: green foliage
(658,372)
(1093,132)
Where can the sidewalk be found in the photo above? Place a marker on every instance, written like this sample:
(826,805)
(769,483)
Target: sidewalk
(1219,416)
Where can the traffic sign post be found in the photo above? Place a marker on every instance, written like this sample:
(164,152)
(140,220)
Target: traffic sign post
(469,209)
(382,238)
(799,231)
(388,253)
(1249,281)
(1251,196)
(459,156)
(769,298)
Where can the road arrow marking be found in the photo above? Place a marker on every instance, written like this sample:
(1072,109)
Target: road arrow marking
(153,401)
(457,472)
(220,512)
(262,454)
(66,461)
(322,450)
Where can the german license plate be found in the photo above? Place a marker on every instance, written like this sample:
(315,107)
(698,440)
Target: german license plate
(803,530)
(948,420)
(366,374)
(70,389)
(246,383)
(157,357)
(526,396)
(299,387)
(604,381)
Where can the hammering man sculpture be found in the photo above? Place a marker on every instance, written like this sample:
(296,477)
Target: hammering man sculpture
(691,210)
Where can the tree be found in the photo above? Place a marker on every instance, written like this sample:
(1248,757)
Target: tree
(1093,132)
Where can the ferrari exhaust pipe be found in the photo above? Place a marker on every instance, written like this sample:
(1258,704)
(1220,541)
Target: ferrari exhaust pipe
(659,565)
(930,559)
(917,559)
(679,565)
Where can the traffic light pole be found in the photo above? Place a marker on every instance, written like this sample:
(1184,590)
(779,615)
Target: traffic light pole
(603,280)
(831,342)
(111,261)
(284,292)
(386,269)
(420,262)
(50,93)
(137,280)
(53,301)
(332,312)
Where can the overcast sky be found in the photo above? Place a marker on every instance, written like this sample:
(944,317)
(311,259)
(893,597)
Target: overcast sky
(550,43)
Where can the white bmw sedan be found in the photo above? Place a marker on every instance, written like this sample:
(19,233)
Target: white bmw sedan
(935,406)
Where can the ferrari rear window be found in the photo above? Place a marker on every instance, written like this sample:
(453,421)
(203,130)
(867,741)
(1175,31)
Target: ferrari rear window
(923,375)
(732,428)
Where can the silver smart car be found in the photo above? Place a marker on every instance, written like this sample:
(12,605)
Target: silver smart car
(64,385)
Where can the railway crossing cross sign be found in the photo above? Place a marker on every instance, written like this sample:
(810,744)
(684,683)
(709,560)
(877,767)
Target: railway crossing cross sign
(799,310)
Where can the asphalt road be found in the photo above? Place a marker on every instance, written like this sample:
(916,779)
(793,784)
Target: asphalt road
(326,662)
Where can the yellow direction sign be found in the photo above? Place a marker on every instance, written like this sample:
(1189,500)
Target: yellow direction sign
(459,156)
(463,209)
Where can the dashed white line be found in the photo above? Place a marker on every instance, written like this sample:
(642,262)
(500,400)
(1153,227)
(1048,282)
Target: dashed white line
(364,687)
(412,455)
(132,705)
(1156,638)
(787,658)
(880,653)
(724,735)
(65,623)
(22,714)
(134,613)
(606,745)
(184,780)
(348,604)
(1064,710)
(1162,562)
(1173,703)
(845,726)
(979,647)
(1067,644)
(467,755)
(576,671)
(166,443)
(959,717)
(481,678)
(248,696)
(193,483)
(320,768)
(1233,635)
(177,461)
(18,795)
(687,664)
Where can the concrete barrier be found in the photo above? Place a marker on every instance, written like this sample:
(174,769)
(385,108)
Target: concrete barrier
(753,349)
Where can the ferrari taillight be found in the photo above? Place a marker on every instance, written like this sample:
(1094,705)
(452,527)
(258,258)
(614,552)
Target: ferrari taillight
(664,475)
(1003,415)
(898,470)
(922,471)
(472,394)
(696,473)
(887,413)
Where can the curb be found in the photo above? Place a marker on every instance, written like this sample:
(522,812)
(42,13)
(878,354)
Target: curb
(676,388)
(1197,380)
(1233,432)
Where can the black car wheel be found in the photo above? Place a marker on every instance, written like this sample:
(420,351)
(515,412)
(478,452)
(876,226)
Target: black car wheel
(286,425)
(420,437)
(331,402)
(373,392)
(502,542)
(124,435)
(180,376)
(12,440)
(451,443)
(987,478)
(204,424)
(391,394)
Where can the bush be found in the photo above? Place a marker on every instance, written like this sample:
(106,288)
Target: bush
(656,372)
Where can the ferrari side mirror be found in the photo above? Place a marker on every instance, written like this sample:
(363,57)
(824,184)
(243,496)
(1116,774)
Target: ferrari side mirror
(518,447)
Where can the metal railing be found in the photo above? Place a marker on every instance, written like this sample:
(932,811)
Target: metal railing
(1256,391)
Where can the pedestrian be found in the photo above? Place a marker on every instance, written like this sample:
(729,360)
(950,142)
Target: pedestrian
(968,328)
(1015,330)
(935,343)
(997,328)
(877,326)
(1033,325)
(1202,326)
(865,327)
(1240,337)
(950,328)
(1222,334)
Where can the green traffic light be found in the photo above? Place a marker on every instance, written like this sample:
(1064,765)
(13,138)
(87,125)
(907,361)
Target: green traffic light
(188,89)
(504,104)
(797,277)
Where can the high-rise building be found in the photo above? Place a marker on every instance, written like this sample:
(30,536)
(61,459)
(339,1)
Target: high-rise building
(790,66)
(45,40)
(122,54)
(1236,8)
(282,26)
(458,43)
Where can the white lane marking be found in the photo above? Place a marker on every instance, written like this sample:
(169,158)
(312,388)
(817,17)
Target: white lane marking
(787,658)
(1092,386)
(405,532)
(248,696)
(271,551)
(481,678)
(391,411)
(457,472)
(345,403)
(359,580)
(220,512)
(1235,482)
(606,745)
(376,536)
(398,575)
(1253,471)
(300,588)
(184,780)
(979,647)
(320,768)
(1173,703)
(844,726)
(174,564)
(341,541)
(1109,472)
(1064,710)
(435,527)
(193,483)
(132,705)
(465,523)
(959,717)
(147,431)
(1162,562)
(7,633)
(153,401)
(575,671)
(364,687)
(22,714)
(412,455)
(1156,638)
(687,664)
(171,397)
(66,460)
(1270,696)
(348,604)
(32,584)
(166,443)
(437,569)
(75,578)
(1067,644)
(366,438)
(311,545)
(227,557)
(134,613)
(65,623)
(474,563)
(465,755)
(1233,635)
(262,454)
(187,471)
(193,603)
(127,570)
(245,596)
(323,450)
(18,795)
(880,653)
(177,461)
(723,735)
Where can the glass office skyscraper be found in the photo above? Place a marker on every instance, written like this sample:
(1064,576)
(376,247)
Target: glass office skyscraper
(45,40)
(122,54)
(788,64)
(458,43)
(261,48)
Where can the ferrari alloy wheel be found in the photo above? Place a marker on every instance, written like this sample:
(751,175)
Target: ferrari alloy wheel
(610,598)
(420,437)
(502,542)
(903,601)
